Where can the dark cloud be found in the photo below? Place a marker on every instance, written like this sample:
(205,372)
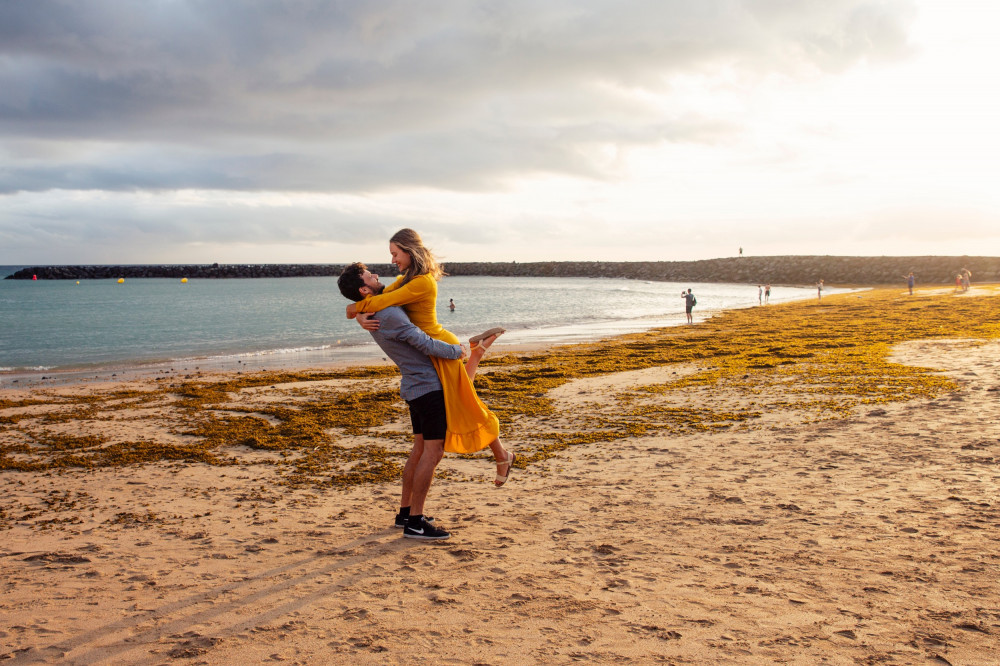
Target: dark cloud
(319,96)
(55,228)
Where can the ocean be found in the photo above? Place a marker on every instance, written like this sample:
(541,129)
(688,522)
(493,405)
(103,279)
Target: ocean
(91,326)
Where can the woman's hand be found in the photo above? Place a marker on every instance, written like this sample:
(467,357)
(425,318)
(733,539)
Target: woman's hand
(352,311)
(368,321)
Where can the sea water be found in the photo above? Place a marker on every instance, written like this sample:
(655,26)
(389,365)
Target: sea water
(64,325)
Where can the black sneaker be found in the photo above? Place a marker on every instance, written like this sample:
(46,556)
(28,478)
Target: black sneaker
(401,521)
(424,531)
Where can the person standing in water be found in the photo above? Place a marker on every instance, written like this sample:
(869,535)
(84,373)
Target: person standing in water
(689,302)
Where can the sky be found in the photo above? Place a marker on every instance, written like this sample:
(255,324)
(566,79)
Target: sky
(299,131)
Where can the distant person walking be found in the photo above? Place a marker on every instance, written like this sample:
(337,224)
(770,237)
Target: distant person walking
(767,293)
(689,302)
(819,290)
(958,283)
(966,279)
(909,282)
(741,251)
(760,295)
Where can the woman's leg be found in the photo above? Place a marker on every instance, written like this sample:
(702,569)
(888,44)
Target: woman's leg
(476,355)
(504,459)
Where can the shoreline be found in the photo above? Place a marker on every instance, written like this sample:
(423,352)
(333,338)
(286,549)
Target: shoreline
(338,356)
(215,367)
(357,356)
(813,482)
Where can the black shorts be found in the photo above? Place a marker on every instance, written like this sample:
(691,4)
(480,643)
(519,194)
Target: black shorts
(428,416)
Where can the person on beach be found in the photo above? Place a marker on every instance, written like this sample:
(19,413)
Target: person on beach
(471,425)
(760,295)
(689,302)
(411,350)
(767,293)
(958,283)
(819,290)
(451,304)
(910,280)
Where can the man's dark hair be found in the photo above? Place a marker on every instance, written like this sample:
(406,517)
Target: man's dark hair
(350,281)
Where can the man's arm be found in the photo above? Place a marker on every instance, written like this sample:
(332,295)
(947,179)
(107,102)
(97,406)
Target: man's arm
(397,326)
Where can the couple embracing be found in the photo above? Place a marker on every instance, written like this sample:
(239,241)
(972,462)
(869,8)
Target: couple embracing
(445,411)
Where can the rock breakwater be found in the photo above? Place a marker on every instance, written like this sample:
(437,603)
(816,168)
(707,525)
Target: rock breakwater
(790,270)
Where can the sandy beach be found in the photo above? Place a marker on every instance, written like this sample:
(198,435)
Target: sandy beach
(812,482)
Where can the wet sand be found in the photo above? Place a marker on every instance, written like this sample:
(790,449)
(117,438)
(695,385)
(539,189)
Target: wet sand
(868,537)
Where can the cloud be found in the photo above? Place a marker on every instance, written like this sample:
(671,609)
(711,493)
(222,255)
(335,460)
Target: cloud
(360,97)
(188,227)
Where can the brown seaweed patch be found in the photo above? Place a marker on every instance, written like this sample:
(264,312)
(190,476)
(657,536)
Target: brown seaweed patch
(822,362)
(130,519)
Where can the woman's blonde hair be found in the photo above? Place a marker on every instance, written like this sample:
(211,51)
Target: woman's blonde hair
(422,260)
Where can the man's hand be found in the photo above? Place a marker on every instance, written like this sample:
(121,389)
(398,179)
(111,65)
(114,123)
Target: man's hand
(352,311)
(368,321)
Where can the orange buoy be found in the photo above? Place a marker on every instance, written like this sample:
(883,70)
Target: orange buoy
(121,280)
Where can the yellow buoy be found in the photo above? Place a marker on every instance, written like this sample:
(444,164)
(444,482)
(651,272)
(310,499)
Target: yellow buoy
(183,280)
(120,280)
(78,282)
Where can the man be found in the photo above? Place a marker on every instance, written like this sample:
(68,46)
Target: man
(409,348)
(689,302)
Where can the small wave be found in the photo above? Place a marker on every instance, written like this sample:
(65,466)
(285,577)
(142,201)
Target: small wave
(266,353)
(285,350)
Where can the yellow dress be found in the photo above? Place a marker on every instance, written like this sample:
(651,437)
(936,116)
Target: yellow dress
(471,425)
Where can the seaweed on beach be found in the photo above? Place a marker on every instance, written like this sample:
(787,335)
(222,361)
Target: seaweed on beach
(343,428)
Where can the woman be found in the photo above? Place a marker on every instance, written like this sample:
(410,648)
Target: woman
(471,425)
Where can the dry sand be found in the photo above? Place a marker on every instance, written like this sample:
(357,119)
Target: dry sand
(871,539)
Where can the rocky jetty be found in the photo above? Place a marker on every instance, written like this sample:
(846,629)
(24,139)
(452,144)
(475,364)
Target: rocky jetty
(790,270)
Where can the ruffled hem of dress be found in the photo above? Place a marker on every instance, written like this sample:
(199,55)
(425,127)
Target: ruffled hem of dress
(477,440)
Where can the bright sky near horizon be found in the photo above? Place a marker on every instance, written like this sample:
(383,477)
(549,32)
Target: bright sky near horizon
(193,131)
